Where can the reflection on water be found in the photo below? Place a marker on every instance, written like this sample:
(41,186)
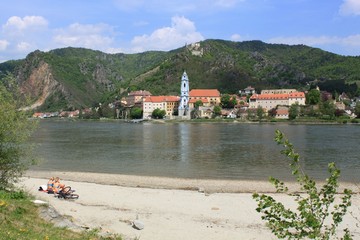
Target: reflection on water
(195,150)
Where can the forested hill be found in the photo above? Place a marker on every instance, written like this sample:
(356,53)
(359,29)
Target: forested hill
(76,77)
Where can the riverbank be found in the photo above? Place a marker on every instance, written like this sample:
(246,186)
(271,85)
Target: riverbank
(168,208)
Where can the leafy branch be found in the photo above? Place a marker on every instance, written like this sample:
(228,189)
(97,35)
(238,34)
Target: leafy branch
(317,215)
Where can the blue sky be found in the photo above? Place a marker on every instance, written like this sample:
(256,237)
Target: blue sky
(131,26)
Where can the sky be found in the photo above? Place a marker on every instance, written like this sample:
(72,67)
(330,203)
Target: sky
(132,26)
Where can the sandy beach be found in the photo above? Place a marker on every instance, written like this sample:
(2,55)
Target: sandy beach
(169,208)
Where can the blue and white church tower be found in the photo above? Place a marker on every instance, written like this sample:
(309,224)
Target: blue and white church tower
(184,96)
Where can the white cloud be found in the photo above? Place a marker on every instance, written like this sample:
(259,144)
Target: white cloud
(353,40)
(127,5)
(23,47)
(307,40)
(350,7)
(97,36)
(18,25)
(182,31)
(226,3)
(177,6)
(3,45)
(349,45)
(235,37)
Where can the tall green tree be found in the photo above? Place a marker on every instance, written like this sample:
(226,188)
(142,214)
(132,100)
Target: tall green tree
(158,113)
(357,109)
(198,103)
(327,108)
(293,111)
(313,97)
(260,113)
(136,113)
(227,101)
(15,129)
(217,111)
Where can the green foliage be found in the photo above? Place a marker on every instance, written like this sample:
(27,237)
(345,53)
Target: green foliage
(217,111)
(317,215)
(198,103)
(136,113)
(20,220)
(227,101)
(15,129)
(293,111)
(260,113)
(158,113)
(357,109)
(327,108)
(313,97)
(86,76)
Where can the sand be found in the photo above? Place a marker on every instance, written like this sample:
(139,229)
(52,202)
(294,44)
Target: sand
(169,208)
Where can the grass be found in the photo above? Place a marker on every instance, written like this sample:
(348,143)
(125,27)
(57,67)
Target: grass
(19,219)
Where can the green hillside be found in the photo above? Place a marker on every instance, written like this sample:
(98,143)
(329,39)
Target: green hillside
(85,77)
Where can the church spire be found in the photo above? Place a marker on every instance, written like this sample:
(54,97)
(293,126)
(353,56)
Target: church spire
(184,95)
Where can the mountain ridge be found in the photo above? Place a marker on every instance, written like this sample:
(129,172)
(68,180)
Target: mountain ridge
(70,78)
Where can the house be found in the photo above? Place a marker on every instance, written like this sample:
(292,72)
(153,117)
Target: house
(282,113)
(209,97)
(278,91)
(247,91)
(135,97)
(167,103)
(344,97)
(272,100)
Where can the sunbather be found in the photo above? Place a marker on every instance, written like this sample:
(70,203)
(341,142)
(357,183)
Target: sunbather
(50,184)
(57,185)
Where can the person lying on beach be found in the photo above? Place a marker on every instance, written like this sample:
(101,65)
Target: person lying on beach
(57,185)
(49,187)
(50,184)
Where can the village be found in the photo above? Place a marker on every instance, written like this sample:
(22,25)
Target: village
(210,103)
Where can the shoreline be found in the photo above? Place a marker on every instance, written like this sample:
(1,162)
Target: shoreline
(168,208)
(201,185)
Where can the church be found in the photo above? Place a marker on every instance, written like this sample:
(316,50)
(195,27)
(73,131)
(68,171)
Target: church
(184,104)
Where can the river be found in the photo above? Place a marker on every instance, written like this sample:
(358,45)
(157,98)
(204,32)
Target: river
(195,150)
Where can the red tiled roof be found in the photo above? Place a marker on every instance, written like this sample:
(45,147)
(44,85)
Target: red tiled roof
(204,93)
(282,112)
(297,95)
(279,96)
(162,99)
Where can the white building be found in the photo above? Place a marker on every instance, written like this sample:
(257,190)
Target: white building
(270,100)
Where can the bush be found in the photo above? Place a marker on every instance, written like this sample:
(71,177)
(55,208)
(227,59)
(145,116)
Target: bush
(15,129)
(317,217)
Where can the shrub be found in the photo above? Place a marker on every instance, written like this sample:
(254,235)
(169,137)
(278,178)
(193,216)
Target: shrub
(317,217)
(15,130)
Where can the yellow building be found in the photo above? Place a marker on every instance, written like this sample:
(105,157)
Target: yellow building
(167,103)
(209,97)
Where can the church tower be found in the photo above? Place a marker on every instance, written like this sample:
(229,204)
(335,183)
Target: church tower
(184,96)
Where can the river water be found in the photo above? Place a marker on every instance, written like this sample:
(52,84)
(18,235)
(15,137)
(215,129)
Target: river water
(195,150)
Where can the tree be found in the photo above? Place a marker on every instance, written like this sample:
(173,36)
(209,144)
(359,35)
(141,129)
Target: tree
(272,112)
(313,97)
(357,109)
(198,103)
(327,108)
(158,114)
(293,111)
(227,101)
(260,113)
(15,129)
(136,113)
(316,217)
(217,111)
